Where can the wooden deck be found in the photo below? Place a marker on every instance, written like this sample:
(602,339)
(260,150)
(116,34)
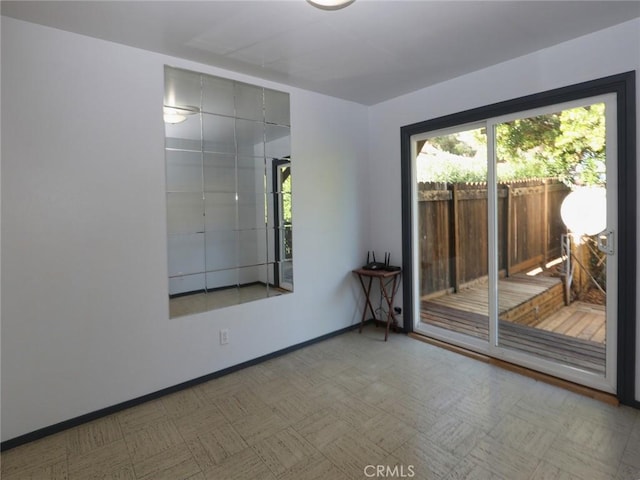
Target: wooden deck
(514,291)
(529,320)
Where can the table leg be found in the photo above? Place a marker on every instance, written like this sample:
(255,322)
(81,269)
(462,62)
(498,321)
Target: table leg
(389,300)
(367,291)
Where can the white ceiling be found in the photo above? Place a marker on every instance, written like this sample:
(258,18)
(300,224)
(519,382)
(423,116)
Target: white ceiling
(369,52)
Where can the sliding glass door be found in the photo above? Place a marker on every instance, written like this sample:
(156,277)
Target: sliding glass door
(451,221)
(514,244)
(559,276)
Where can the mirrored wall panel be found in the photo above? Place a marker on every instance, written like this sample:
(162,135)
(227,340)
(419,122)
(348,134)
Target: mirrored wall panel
(228,169)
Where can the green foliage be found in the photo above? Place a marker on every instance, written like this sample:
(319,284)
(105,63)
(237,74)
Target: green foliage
(447,170)
(458,157)
(453,144)
(525,135)
(569,145)
(286,200)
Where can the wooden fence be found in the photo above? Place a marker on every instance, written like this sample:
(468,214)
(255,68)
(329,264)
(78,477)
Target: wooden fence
(453,230)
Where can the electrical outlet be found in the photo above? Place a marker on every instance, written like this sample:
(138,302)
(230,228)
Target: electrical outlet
(224,336)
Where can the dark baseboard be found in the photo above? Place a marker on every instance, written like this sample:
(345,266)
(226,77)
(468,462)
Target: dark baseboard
(88,417)
(634,403)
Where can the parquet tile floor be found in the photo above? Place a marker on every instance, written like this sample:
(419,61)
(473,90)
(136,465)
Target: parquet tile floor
(327,411)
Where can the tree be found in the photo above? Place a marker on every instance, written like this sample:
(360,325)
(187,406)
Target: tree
(453,144)
(569,145)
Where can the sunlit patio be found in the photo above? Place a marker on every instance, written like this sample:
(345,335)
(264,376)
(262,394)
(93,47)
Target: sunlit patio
(533,318)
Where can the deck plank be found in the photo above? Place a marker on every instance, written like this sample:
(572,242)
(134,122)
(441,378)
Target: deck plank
(573,335)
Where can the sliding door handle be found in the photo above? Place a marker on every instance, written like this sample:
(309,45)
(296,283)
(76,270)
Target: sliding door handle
(605,242)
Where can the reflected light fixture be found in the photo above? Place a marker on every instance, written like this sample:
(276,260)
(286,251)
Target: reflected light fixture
(175,115)
(330,4)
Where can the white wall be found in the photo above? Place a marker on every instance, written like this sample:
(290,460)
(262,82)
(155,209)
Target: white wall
(603,53)
(84,252)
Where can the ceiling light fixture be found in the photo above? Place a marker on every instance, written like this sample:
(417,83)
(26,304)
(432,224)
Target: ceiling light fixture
(330,4)
(175,115)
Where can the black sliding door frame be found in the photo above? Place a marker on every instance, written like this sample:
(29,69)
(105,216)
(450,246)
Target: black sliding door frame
(623,85)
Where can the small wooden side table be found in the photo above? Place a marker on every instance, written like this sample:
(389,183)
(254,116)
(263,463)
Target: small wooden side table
(382,276)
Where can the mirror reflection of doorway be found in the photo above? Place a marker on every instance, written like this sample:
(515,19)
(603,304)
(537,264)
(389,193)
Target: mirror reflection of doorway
(283,269)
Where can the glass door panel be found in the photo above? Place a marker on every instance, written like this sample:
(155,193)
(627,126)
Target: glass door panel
(452,234)
(551,202)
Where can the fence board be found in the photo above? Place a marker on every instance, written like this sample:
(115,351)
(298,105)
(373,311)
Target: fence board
(454,236)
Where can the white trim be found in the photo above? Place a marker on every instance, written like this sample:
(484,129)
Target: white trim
(415,240)
(492,237)
(611,122)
